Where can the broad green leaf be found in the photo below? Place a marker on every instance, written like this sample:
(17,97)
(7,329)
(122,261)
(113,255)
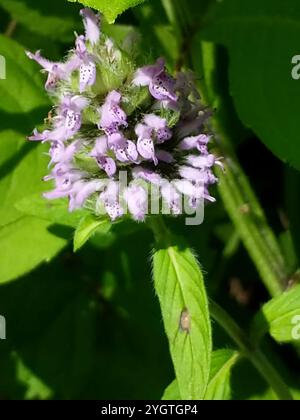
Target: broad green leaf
(22,89)
(280,317)
(110,8)
(262,38)
(55,211)
(181,291)
(56,19)
(22,167)
(219,387)
(25,244)
(87,227)
(172,392)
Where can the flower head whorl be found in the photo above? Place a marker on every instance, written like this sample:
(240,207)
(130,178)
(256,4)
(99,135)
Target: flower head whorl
(112,118)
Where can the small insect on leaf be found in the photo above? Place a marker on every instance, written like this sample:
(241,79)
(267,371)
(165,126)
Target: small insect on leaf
(185,321)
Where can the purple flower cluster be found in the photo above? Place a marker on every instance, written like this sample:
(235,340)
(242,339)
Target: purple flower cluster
(111,117)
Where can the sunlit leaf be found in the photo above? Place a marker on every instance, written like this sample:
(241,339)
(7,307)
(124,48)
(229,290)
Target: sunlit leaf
(219,387)
(55,211)
(280,317)
(180,287)
(110,8)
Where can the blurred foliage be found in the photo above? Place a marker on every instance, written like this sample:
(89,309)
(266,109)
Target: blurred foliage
(88,325)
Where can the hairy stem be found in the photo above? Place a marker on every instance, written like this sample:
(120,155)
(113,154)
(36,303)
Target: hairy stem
(255,355)
(248,217)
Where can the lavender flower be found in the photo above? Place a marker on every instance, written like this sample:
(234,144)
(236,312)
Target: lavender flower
(161,85)
(111,118)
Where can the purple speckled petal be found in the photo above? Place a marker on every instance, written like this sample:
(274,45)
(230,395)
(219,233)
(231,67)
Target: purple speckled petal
(146,149)
(121,155)
(161,85)
(157,124)
(107,164)
(72,121)
(163,135)
(162,88)
(116,141)
(112,115)
(131,151)
(145,75)
(172,198)
(114,210)
(110,198)
(87,75)
(56,152)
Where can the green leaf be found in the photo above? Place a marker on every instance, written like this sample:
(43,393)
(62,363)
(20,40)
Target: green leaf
(181,291)
(22,166)
(25,244)
(88,226)
(280,317)
(110,8)
(262,38)
(57,20)
(55,211)
(172,392)
(22,89)
(219,387)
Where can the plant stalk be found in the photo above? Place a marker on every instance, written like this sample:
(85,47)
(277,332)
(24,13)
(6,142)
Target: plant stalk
(254,354)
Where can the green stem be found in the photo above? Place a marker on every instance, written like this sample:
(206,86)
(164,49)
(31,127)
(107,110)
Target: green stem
(246,214)
(160,231)
(255,355)
(240,200)
(238,196)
